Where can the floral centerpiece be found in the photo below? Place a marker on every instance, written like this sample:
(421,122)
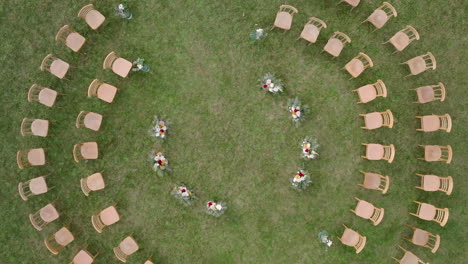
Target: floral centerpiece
(257,34)
(271,84)
(139,65)
(309,148)
(324,237)
(160,163)
(182,193)
(297,110)
(159,128)
(301,180)
(215,209)
(122,11)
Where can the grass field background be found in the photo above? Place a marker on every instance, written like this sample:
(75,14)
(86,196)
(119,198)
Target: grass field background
(228,139)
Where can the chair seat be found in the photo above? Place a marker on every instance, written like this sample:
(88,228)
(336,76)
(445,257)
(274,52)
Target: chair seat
(417,65)
(36,157)
(82,257)
(372,180)
(38,185)
(427,212)
(400,41)
(373,120)
(350,237)
(352,3)
(378,18)
(75,41)
(432,153)
(334,47)
(430,123)
(92,121)
(121,67)
(283,20)
(310,33)
(89,150)
(109,216)
(63,236)
(59,68)
(409,258)
(431,183)
(355,67)
(48,213)
(425,94)
(95,182)
(106,92)
(40,127)
(47,97)
(94,19)
(128,246)
(420,237)
(374,151)
(367,93)
(364,209)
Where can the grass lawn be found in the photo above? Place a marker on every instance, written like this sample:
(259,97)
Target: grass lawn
(228,139)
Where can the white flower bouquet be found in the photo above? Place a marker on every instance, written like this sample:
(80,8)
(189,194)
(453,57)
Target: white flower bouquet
(159,128)
(297,110)
(271,84)
(182,193)
(309,147)
(301,180)
(215,209)
(160,163)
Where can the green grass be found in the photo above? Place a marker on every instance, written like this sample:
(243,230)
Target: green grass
(229,140)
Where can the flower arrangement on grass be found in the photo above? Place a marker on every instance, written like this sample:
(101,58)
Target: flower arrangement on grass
(159,128)
(215,209)
(122,11)
(324,237)
(139,65)
(271,84)
(160,163)
(297,110)
(301,180)
(309,148)
(182,193)
(257,34)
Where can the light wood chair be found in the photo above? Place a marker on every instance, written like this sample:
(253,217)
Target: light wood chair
(127,247)
(44,216)
(369,92)
(284,17)
(33,187)
(403,38)
(93,18)
(106,217)
(358,64)
(437,153)
(34,127)
(336,43)
(101,90)
(353,239)
(379,152)
(381,15)
(56,242)
(424,239)
(352,3)
(55,66)
(43,95)
(30,157)
(409,258)
(85,151)
(420,64)
(368,211)
(376,120)
(430,123)
(118,65)
(312,29)
(433,183)
(92,183)
(89,120)
(149,261)
(429,212)
(70,38)
(431,93)
(374,181)
(83,257)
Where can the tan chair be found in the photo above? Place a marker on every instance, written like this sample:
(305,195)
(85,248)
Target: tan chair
(43,95)
(92,183)
(34,127)
(85,151)
(437,153)
(424,239)
(44,216)
(33,187)
(127,247)
(54,65)
(312,29)
(376,120)
(103,91)
(352,3)
(56,242)
(368,211)
(353,239)
(409,258)
(403,38)
(381,15)
(89,120)
(431,93)
(284,17)
(93,18)
(429,212)
(336,43)
(118,65)
(420,64)
(379,152)
(148,261)
(369,92)
(374,181)
(70,38)
(30,157)
(83,257)
(358,64)
(433,183)
(430,123)
(106,217)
